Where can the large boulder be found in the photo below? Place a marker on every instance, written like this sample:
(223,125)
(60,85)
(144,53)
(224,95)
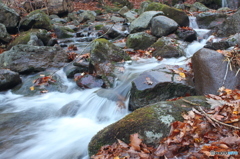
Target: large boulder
(26,58)
(197,6)
(210,70)
(178,15)
(209,20)
(158,84)
(230,26)
(167,47)
(140,40)
(152,123)
(4,36)
(143,21)
(36,19)
(8,79)
(24,37)
(9,17)
(163,26)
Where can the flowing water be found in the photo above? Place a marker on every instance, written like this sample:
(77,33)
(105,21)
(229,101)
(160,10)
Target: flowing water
(224,3)
(32,127)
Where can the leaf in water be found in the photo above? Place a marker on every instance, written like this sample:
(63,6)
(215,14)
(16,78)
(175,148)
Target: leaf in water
(32,88)
(135,142)
(182,74)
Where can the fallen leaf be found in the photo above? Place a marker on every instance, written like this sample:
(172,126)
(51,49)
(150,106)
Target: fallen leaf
(135,142)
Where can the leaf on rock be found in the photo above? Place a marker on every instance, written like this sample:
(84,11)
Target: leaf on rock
(135,142)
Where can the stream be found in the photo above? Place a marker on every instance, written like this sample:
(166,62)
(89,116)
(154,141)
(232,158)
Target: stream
(33,127)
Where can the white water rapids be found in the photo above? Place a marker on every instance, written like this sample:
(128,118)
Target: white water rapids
(38,132)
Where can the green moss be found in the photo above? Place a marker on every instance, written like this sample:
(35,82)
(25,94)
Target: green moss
(98,27)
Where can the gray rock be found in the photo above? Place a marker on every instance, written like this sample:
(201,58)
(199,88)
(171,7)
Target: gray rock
(140,40)
(188,35)
(63,32)
(230,26)
(75,16)
(123,10)
(71,70)
(35,41)
(130,16)
(113,31)
(8,79)
(177,15)
(28,82)
(24,37)
(210,20)
(164,84)
(167,47)
(117,19)
(197,6)
(89,81)
(143,21)
(152,123)
(36,19)
(58,20)
(4,36)
(26,58)
(209,71)
(9,17)
(162,26)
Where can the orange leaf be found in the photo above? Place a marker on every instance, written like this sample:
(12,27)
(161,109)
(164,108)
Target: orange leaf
(135,142)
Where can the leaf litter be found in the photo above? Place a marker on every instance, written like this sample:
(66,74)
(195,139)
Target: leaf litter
(202,132)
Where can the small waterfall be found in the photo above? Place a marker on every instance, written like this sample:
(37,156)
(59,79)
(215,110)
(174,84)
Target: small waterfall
(224,3)
(192,22)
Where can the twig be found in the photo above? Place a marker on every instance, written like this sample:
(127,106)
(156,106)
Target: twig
(235,127)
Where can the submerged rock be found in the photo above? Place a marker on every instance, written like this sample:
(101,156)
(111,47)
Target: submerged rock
(152,123)
(158,84)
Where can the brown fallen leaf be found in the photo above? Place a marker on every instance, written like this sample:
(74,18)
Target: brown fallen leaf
(148,81)
(135,142)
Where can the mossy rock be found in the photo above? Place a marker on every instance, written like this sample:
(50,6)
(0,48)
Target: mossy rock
(63,32)
(24,37)
(36,19)
(140,40)
(178,15)
(151,122)
(103,50)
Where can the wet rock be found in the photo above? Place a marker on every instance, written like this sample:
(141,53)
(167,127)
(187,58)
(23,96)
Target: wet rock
(24,37)
(103,56)
(230,26)
(36,19)
(156,85)
(143,21)
(90,81)
(58,20)
(75,16)
(210,20)
(162,26)
(8,79)
(220,45)
(63,32)
(188,35)
(152,123)
(4,36)
(177,15)
(116,19)
(26,58)
(88,15)
(28,82)
(71,70)
(167,47)
(70,109)
(113,31)
(209,71)
(7,14)
(140,40)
